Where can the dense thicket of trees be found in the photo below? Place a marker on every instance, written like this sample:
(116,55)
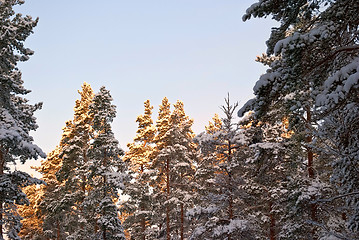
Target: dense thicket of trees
(288,169)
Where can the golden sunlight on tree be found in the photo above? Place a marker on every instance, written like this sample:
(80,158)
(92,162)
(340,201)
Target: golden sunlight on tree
(286,132)
(32,217)
(142,147)
(215,125)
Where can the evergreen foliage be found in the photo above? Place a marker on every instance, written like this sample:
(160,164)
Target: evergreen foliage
(105,171)
(312,81)
(219,177)
(139,205)
(175,153)
(32,221)
(73,152)
(16,117)
(287,170)
(50,205)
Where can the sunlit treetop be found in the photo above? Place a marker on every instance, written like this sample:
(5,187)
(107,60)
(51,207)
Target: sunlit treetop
(141,149)
(163,122)
(82,105)
(214,126)
(146,130)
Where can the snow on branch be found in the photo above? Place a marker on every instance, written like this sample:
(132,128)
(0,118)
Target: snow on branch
(334,198)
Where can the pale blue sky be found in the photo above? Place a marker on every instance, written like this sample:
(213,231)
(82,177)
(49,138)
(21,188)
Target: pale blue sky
(192,50)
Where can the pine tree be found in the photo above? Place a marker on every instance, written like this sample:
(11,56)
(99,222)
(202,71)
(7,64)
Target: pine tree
(314,49)
(338,103)
(51,207)
(139,206)
(268,168)
(219,175)
(106,171)
(173,166)
(43,217)
(141,149)
(16,117)
(74,146)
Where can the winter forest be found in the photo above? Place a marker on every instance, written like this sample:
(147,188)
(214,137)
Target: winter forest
(288,169)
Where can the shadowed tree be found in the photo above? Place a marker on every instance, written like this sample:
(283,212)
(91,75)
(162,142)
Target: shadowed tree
(16,116)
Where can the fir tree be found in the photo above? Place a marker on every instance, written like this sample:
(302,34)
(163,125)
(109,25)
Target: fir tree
(16,117)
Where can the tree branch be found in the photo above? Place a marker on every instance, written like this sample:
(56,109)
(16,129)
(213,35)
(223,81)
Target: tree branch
(334,198)
(333,54)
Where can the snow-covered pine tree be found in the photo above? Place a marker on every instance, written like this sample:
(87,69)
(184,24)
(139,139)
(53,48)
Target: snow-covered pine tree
(182,153)
(338,103)
(16,116)
(139,205)
(73,152)
(340,131)
(140,150)
(157,180)
(43,218)
(205,176)
(268,169)
(218,213)
(215,125)
(314,39)
(106,172)
(52,209)
(173,166)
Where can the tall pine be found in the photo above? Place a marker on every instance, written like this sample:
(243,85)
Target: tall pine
(74,146)
(173,166)
(51,207)
(139,204)
(106,171)
(313,41)
(16,116)
(218,212)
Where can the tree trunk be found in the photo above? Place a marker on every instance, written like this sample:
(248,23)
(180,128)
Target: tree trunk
(271,223)
(2,164)
(143,220)
(182,221)
(309,149)
(104,194)
(230,198)
(104,233)
(96,228)
(313,206)
(168,197)
(143,224)
(57,230)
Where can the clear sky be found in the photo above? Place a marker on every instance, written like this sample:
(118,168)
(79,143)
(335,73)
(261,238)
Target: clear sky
(192,50)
